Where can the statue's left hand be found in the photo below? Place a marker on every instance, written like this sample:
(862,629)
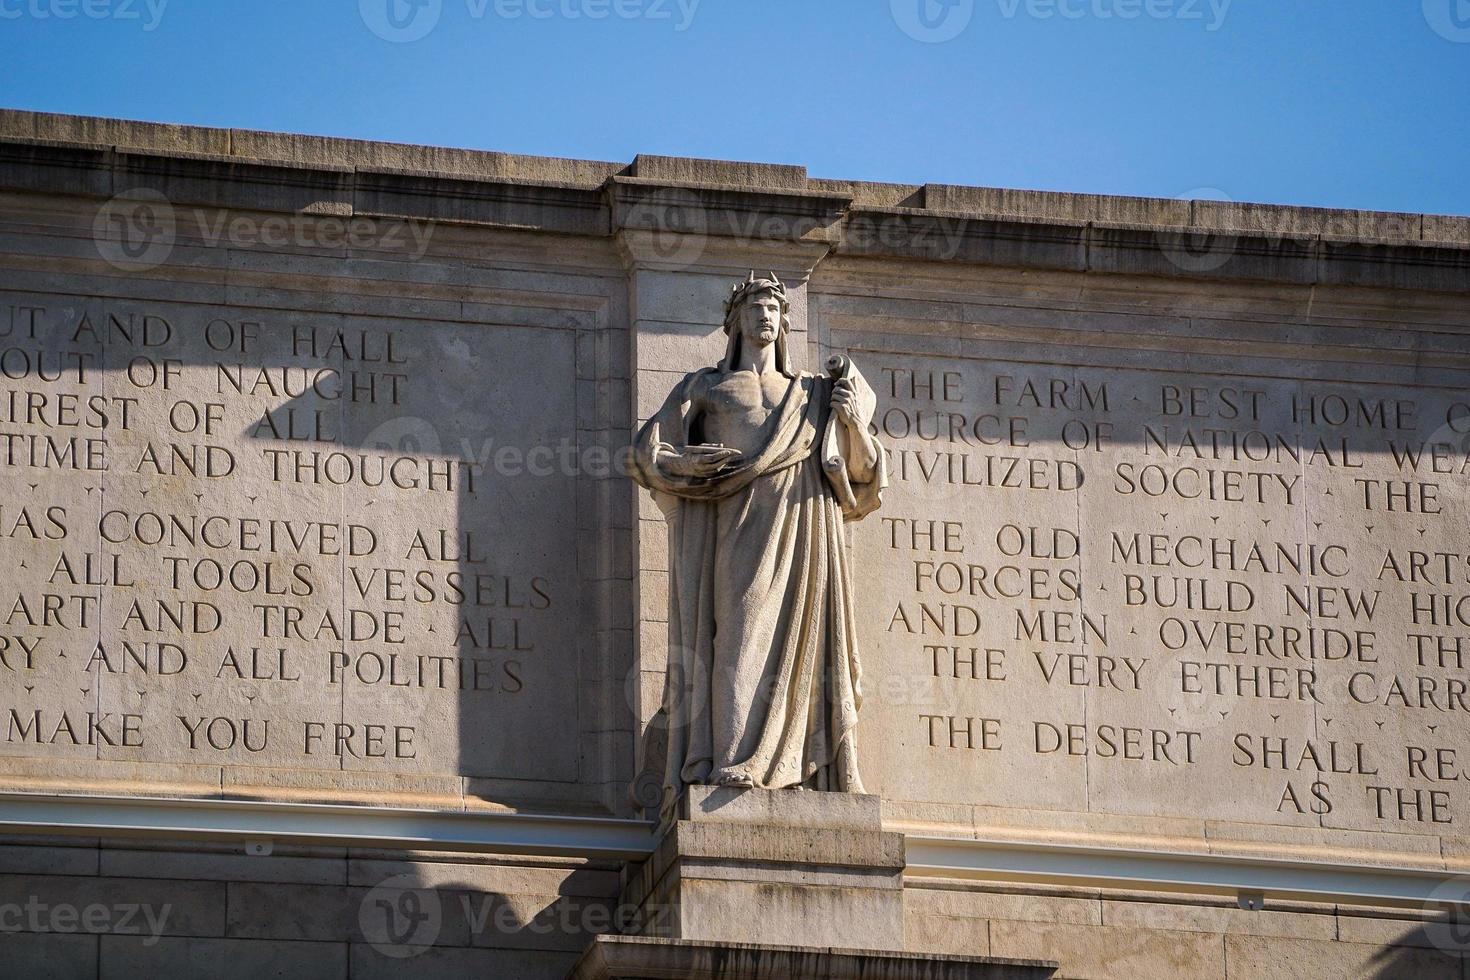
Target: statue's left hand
(844,403)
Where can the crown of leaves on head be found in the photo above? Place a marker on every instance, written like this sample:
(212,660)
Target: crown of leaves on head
(742,291)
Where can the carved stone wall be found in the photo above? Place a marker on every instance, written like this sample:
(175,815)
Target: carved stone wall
(311,493)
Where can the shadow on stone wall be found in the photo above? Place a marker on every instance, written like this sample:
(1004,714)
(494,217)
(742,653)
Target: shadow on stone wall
(1431,950)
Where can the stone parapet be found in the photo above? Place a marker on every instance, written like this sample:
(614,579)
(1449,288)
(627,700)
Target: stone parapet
(751,203)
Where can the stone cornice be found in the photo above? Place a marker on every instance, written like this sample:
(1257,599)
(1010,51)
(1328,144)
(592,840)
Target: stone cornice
(756,205)
(1359,878)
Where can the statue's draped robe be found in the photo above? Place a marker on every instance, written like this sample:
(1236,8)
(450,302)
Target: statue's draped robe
(764,676)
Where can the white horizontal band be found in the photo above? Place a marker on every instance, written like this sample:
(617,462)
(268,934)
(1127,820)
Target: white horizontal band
(1174,871)
(505,832)
(495,831)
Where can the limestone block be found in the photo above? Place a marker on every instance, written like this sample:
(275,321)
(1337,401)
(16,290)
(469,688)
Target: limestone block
(990,904)
(1446,228)
(491,874)
(275,912)
(773,866)
(1221,920)
(224,864)
(1258,958)
(1105,953)
(24,858)
(683,169)
(125,958)
(707,805)
(947,934)
(50,956)
(129,906)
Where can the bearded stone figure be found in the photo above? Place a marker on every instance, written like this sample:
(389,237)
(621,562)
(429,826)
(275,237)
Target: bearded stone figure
(757,467)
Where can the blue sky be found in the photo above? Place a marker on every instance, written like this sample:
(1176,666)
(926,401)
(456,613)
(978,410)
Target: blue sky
(1338,103)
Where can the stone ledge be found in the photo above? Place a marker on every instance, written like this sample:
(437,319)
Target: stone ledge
(626,958)
(1023,205)
(753,204)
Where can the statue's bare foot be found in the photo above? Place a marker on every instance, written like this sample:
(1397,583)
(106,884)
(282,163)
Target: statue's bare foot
(734,778)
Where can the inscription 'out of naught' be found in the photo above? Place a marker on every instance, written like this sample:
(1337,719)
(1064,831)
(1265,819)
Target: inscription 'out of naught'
(247,541)
(1139,592)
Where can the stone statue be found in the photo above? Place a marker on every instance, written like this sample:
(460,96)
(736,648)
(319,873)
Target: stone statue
(757,466)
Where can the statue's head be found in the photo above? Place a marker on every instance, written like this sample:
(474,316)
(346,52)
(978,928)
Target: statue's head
(758,309)
(758,312)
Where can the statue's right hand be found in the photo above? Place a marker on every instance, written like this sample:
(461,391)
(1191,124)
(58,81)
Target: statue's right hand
(699,460)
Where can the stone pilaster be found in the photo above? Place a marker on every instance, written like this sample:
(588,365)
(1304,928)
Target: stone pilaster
(685,237)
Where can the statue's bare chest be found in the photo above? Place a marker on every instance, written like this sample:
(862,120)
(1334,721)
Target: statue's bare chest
(738,408)
(747,394)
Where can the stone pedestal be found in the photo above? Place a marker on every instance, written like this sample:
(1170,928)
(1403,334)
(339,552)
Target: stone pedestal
(787,868)
(760,885)
(624,958)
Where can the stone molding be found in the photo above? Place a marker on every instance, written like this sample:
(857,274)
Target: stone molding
(753,203)
(1364,878)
